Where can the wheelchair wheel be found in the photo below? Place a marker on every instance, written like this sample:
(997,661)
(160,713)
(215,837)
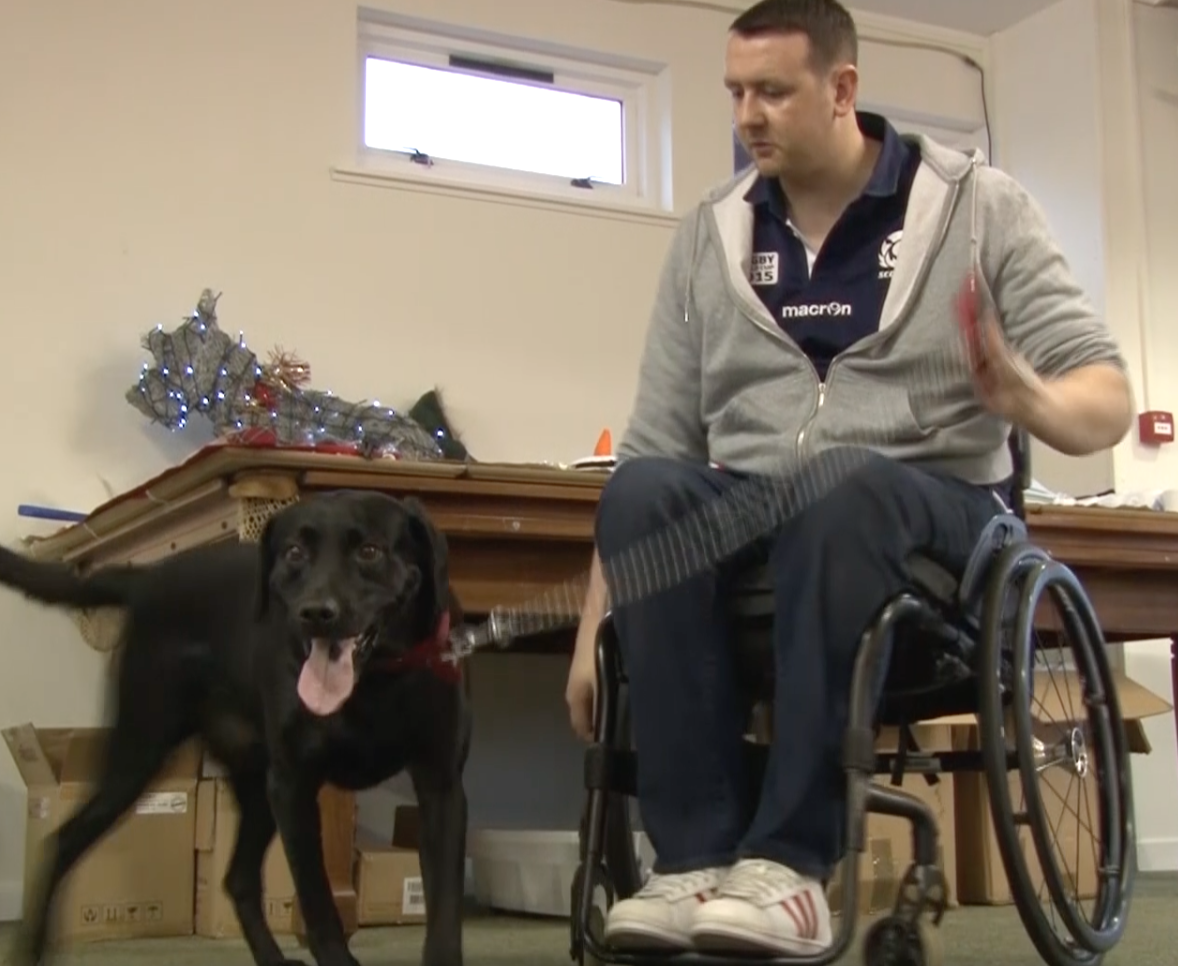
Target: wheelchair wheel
(603,897)
(620,853)
(618,856)
(615,873)
(1088,748)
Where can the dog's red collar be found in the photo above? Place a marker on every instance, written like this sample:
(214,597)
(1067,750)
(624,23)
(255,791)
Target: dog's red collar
(432,654)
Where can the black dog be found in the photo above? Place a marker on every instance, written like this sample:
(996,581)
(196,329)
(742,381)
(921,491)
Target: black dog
(318,657)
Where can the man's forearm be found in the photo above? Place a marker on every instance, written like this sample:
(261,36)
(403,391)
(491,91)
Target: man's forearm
(1083,411)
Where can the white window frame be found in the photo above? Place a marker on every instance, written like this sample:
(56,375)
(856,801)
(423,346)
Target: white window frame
(640,86)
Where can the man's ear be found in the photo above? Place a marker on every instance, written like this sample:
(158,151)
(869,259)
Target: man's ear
(266,557)
(434,563)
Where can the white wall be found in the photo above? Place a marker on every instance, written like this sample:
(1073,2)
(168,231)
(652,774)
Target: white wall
(1063,170)
(1086,94)
(1155,41)
(142,160)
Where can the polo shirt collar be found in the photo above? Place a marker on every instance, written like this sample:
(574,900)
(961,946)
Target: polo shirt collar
(885,177)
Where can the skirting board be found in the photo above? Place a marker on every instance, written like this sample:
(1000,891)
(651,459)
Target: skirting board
(10,896)
(1157,855)
(1153,855)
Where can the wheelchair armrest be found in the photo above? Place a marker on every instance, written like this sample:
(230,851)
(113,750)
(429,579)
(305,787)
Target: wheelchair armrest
(933,579)
(1000,532)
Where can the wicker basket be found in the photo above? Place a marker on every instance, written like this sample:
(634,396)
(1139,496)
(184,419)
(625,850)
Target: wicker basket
(101,627)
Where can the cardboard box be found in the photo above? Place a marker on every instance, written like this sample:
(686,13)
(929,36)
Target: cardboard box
(136,881)
(1071,805)
(889,854)
(389,890)
(388,886)
(215,834)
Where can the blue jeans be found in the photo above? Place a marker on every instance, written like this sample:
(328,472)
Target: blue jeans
(834,564)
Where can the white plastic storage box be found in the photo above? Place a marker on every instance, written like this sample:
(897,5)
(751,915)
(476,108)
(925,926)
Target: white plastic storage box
(530,871)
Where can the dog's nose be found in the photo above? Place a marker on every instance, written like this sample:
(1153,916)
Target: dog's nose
(320,613)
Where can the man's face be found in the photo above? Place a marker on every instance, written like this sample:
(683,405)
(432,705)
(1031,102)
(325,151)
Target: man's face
(784,110)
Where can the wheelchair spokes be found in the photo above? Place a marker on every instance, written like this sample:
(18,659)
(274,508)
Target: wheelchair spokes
(1070,764)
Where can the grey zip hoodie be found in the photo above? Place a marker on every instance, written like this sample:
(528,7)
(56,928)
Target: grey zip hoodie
(719,381)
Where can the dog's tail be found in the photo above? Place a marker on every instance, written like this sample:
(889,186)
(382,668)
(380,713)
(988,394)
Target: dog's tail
(58,583)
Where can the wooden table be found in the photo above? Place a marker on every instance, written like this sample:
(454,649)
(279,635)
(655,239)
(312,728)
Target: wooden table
(515,530)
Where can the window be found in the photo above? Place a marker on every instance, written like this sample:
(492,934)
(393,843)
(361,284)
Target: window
(460,116)
(464,107)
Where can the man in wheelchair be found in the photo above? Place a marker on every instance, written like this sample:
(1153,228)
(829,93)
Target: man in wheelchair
(852,288)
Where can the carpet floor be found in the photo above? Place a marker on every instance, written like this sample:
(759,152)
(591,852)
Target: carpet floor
(973,937)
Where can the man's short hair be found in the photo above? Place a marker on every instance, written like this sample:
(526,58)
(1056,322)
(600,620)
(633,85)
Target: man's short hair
(827,23)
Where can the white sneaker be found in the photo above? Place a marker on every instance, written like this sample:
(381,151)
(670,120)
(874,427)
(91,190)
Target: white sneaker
(660,914)
(761,907)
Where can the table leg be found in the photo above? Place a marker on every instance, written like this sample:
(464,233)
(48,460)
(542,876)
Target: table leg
(337,809)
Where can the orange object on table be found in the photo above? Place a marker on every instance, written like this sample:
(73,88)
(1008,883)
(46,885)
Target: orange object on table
(605,444)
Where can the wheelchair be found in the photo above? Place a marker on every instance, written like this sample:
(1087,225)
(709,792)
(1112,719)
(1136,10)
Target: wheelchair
(957,646)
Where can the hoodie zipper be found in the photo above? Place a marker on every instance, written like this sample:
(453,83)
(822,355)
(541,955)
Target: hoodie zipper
(924,270)
(806,425)
(774,330)
(793,346)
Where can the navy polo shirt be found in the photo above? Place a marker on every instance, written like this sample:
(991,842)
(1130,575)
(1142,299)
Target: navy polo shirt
(827,300)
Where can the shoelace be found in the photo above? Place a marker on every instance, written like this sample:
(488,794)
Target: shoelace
(760,882)
(670,886)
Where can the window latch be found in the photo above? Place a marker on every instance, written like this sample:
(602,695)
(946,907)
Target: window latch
(582,183)
(420,157)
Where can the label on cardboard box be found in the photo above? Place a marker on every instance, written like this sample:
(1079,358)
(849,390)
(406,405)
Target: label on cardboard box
(413,897)
(126,912)
(162,803)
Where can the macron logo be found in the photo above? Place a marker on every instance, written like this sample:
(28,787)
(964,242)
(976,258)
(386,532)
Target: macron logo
(834,309)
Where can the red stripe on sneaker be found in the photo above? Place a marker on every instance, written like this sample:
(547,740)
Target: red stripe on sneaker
(802,910)
(794,910)
(807,918)
(807,900)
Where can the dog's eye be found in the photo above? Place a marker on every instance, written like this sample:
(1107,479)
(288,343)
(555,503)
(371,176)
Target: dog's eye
(295,554)
(369,552)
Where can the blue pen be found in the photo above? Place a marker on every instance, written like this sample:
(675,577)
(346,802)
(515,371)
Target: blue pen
(49,513)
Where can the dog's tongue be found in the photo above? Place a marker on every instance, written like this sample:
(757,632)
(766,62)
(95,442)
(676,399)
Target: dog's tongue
(325,683)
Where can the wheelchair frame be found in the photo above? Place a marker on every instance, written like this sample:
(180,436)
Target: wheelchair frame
(1003,584)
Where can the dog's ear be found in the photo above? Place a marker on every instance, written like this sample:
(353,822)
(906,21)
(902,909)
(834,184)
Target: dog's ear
(265,566)
(434,562)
